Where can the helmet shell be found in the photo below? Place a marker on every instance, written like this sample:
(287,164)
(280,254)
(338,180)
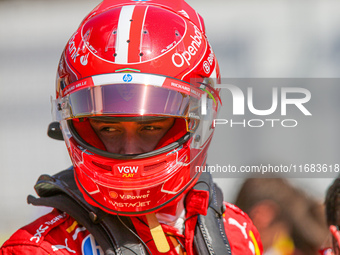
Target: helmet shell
(164,38)
(137,37)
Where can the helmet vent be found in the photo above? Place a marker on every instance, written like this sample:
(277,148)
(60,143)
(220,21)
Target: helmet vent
(104,167)
(150,168)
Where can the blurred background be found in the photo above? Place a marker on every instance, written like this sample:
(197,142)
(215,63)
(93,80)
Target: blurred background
(251,38)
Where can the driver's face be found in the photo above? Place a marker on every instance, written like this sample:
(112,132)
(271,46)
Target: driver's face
(131,137)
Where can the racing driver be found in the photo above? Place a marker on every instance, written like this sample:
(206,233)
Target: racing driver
(135,103)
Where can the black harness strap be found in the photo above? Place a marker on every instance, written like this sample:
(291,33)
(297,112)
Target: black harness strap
(60,192)
(116,234)
(210,237)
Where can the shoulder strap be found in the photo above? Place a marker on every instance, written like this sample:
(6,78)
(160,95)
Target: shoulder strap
(60,191)
(113,233)
(210,237)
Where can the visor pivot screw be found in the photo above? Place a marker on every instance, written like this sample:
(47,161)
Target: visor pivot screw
(197,138)
(93,217)
(141,54)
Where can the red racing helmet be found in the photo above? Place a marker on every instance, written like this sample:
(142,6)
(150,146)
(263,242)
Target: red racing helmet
(138,61)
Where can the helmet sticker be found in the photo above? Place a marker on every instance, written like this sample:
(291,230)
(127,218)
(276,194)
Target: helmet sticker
(127,77)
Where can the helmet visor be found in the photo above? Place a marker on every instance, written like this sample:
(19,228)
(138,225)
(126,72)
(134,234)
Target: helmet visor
(162,96)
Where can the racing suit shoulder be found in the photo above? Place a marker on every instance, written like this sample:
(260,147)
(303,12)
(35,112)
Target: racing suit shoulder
(242,234)
(48,234)
(58,233)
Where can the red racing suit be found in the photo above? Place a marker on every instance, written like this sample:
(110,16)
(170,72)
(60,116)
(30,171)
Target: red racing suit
(58,233)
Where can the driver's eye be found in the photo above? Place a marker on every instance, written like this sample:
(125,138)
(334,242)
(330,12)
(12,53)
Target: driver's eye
(108,129)
(150,128)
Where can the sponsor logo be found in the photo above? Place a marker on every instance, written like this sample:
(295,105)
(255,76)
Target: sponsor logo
(74,87)
(196,92)
(127,77)
(69,89)
(127,205)
(179,86)
(132,197)
(208,63)
(179,59)
(211,58)
(38,233)
(81,84)
(113,194)
(54,220)
(91,247)
(42,228)
(73,50)
(128,171)
(83,59)
(242,227)
(60,247)
(206,67)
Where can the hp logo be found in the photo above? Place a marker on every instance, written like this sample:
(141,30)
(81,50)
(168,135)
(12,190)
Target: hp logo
(127,78)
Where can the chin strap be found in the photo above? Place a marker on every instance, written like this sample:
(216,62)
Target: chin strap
(116,235)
